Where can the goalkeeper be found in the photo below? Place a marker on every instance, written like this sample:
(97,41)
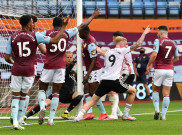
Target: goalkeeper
(67,93)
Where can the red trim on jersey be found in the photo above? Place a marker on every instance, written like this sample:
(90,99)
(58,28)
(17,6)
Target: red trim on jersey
(129,68)
(55,95)
(121,70)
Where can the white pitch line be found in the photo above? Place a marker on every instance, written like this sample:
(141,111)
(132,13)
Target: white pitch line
(153,112)
(72,120)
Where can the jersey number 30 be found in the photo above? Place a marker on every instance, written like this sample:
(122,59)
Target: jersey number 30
(112,59)
(59,46)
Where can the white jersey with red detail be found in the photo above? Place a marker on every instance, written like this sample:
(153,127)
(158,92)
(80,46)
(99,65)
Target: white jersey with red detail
(113,61)
(128,65)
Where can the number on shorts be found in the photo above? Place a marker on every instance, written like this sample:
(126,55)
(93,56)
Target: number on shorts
(59,46)
(112,59)
(168,51)
(23,48)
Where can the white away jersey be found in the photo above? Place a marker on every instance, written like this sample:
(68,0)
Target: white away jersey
(113,61)
(128,65)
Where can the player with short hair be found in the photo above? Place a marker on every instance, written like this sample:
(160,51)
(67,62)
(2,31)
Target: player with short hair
(111,79)
(93,71)
(54,67)
(24,45)
(127,77)
(165,54)
(67,92)
(43,51)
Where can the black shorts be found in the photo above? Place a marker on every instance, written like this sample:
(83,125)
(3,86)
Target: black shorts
(128,78)
(64,98)
(142,78)
(106,86)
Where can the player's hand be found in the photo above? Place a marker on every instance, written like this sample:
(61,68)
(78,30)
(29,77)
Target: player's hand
(137,75)
(146,73)
(65,21)
(85,79)
(96,13)
(149,67)
(147,30)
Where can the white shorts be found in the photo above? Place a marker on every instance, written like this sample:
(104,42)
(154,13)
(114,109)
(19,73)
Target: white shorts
(21,83)
(95,76)
(163,77)
(53,75)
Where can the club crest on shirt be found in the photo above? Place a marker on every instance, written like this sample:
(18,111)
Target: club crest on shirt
(144,57)
(93,52)
(84,45)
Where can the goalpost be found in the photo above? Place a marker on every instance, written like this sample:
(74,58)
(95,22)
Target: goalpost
(9,24)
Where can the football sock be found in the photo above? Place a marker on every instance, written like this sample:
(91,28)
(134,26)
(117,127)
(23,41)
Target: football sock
(54,105)
(127,109)
(41,98)
(80,114)
(87,99)
(21,107)
(118,110)
(26,104)
(165,105)
(155,98)
(100,106)
(75,102)
(115,102)
(15,108)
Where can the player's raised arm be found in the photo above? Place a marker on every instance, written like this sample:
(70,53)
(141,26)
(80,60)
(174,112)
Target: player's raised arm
(87,22)
(56,39)
(141,39)
(101,51)
(48,40)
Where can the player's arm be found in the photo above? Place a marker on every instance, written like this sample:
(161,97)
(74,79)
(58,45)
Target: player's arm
(135,67)
(72,32)
(42,48)
(140,40)
(176,56)
(48,40)
(148,58)
(154,55)
(93,55)
(8,53)
(69,67)
(101,51)
(56,39)
(87,22)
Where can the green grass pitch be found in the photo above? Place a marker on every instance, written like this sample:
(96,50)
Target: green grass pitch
(144,125)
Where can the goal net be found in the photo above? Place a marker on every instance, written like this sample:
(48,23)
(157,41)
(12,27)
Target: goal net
(44,10)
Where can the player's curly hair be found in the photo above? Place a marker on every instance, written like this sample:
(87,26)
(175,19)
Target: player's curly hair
(34,18)
(25,19)
(57,22)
